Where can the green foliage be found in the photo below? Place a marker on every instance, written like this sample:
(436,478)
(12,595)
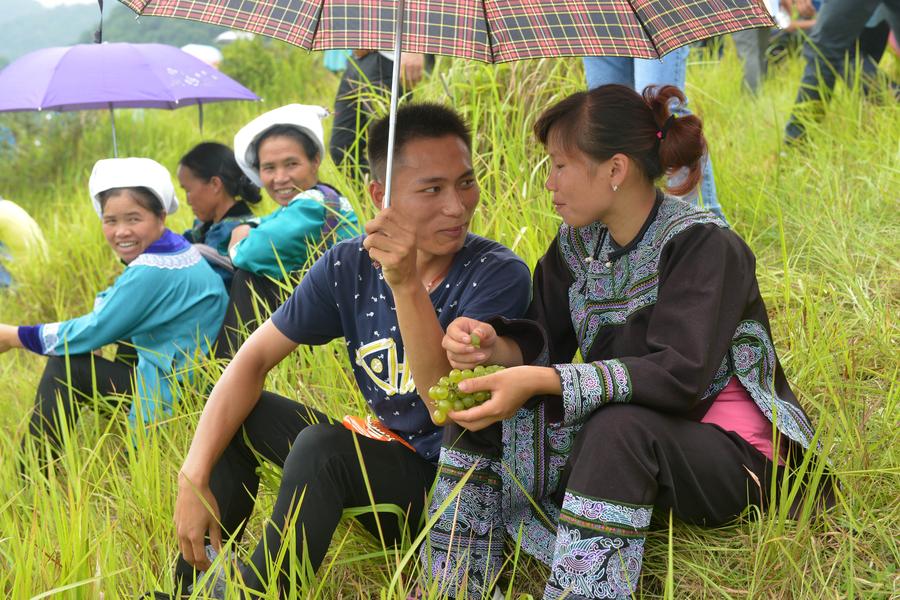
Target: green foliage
(821,219)
(248,61)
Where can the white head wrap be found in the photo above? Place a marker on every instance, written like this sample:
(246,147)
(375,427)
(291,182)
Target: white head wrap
(305,117)
(112,173)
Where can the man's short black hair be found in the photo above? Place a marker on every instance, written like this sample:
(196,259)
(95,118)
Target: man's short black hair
(414,121)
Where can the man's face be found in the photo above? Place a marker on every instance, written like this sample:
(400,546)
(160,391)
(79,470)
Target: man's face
(434,188)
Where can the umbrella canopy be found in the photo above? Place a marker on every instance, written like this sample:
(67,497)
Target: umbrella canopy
(485,30)
(102,76)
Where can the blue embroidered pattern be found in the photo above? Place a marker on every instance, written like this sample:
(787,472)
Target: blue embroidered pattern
(605,293)
(753,356)
(465,546)
(588,386)
(599,548)
(601,511)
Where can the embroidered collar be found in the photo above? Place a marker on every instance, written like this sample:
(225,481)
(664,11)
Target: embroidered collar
(168,243)
(618,250)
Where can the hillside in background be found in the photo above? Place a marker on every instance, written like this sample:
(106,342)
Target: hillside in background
(121,25)
(28,26)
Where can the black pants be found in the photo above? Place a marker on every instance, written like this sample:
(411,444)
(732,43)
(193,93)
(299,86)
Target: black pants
(356,105)
(837,29)
(354,108)
(320,463)
(72,380)
(250,294)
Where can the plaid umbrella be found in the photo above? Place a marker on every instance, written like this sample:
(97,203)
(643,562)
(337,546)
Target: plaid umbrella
(487,30)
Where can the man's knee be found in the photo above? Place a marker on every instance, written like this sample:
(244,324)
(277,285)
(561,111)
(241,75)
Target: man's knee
(317,448)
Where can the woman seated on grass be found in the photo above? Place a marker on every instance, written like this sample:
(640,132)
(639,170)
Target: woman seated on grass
(680,403)
(281,151)
(168,302)
(218,192)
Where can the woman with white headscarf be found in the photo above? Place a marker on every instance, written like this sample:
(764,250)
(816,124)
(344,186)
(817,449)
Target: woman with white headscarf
(281,151)
(168,302)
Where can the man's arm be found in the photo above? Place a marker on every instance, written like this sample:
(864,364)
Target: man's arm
(232,399)
(393,244)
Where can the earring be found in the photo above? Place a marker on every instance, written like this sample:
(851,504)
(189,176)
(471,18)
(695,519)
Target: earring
(615,188)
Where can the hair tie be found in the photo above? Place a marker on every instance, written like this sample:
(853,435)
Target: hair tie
(661,133)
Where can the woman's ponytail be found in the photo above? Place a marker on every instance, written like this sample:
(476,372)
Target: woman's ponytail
(680,138)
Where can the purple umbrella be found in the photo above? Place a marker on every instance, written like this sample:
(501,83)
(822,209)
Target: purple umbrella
(109,76)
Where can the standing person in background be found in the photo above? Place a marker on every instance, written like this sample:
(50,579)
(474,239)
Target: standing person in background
(20,238)
(368,72)
(281,151)
(830,47)
(168,302)
(219,193)
(638,73)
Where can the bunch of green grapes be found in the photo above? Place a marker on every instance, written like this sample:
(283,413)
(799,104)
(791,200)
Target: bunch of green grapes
(447,396)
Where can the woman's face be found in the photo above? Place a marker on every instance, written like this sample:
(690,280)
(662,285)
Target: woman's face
(284,168)
(128,227)
(581,189)
(206,198)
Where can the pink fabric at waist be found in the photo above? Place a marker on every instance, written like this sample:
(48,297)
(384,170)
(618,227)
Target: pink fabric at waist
(734,410)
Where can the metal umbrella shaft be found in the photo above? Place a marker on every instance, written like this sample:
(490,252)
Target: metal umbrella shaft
(395,93)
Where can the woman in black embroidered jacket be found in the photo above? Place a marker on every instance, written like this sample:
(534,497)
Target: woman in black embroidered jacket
(680,402)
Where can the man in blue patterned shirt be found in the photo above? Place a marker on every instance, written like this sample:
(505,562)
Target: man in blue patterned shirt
(390,294)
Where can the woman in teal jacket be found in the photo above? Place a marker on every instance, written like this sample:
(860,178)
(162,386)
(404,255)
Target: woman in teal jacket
(281,151)
(168,302)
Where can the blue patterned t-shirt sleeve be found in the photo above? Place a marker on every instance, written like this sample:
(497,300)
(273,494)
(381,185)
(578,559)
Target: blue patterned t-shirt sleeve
(503,289)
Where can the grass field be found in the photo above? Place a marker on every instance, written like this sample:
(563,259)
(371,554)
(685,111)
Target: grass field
(822,219)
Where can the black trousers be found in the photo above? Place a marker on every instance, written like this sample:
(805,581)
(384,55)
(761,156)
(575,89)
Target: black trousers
(74,380)
(356,105)
(250,294)
(320,464)
(636,455)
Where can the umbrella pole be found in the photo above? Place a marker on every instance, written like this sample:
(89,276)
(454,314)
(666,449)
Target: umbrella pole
(200,115)
(112,119)
(395,93)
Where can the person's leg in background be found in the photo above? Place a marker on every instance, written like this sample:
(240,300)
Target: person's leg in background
(369,74)
(671,69)
(603,70)
(838,26)
(751,47)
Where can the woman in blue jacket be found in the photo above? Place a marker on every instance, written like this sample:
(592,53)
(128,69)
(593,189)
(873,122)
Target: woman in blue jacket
(281,151)
(168,302)
(219,193)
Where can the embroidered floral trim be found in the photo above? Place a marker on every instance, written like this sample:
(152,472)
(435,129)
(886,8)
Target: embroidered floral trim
(753,356)
(524,455)
(604,293)
(588,386)
(181,260)
(465,545)
(604,513)
(594,566)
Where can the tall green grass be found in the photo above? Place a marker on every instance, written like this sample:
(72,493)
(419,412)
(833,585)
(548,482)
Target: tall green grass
(822,219)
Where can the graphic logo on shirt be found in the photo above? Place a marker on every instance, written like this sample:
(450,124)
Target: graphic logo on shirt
(379,360)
